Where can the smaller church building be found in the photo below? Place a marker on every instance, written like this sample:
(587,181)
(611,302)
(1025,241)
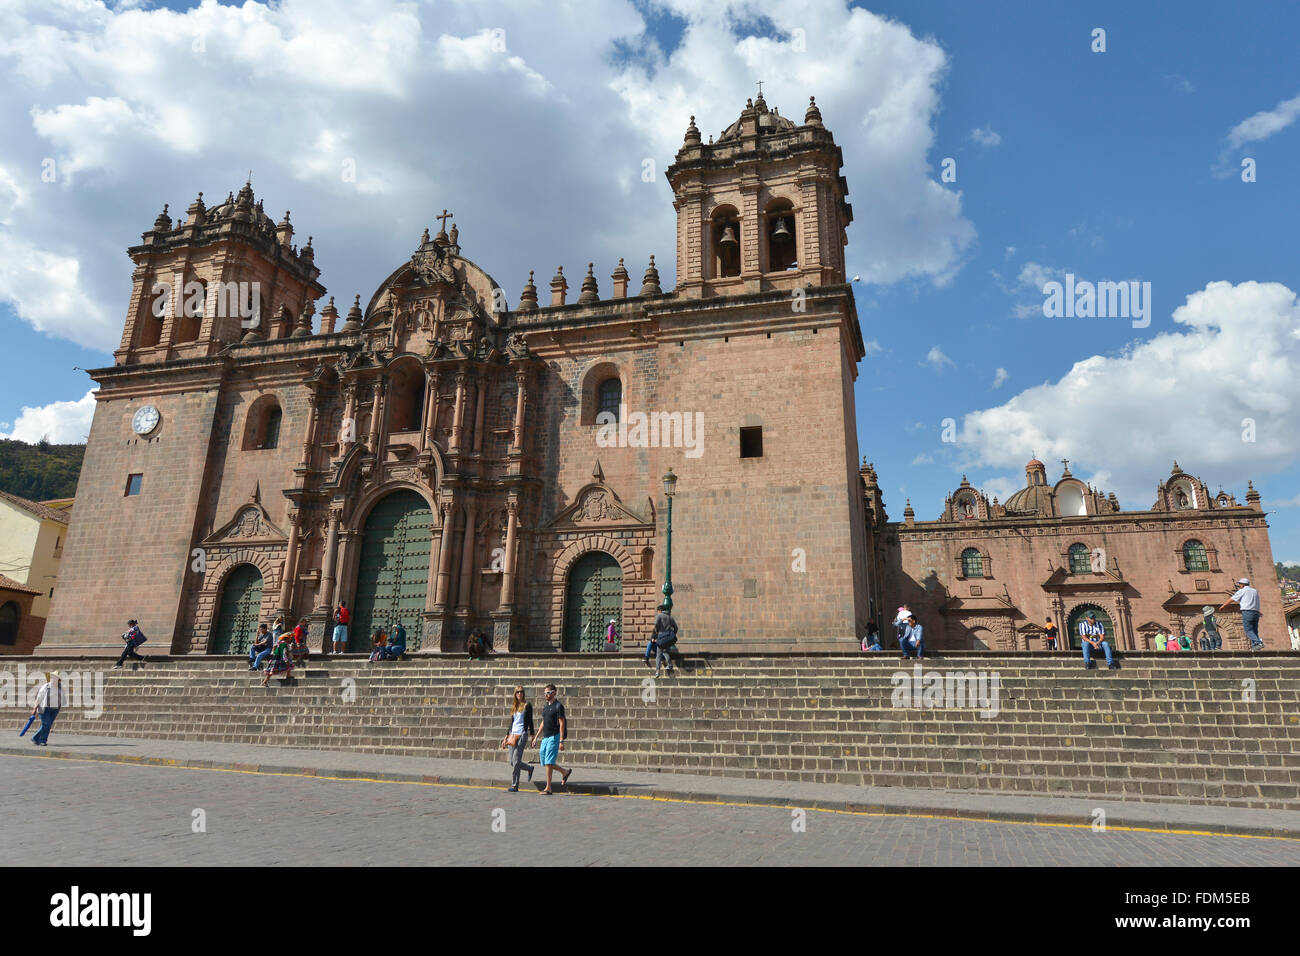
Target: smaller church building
(986,575)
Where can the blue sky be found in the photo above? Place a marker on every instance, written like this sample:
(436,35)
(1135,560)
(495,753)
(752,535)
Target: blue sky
(1122,165)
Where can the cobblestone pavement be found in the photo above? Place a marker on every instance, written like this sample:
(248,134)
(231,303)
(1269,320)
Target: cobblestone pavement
(114,814)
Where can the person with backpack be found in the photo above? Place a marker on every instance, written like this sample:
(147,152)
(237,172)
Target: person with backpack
(665,638)
(342,618)
(516,738)
(553,731)
(1049,635)
(134,637)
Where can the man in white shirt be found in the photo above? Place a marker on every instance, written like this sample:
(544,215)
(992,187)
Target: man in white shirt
(1247,598)
(50,697)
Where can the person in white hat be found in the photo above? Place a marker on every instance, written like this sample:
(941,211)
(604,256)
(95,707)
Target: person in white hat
(1247,598)
(611,635)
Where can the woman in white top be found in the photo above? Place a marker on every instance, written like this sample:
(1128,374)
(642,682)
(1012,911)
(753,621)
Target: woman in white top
(521,729)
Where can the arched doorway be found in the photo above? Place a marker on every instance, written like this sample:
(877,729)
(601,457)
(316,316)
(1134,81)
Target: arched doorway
(241,599)
(393,572)
(593,596)
(1078,614)
(9,624)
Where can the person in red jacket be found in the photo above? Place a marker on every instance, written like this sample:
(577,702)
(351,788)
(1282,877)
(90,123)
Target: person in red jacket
(341,620)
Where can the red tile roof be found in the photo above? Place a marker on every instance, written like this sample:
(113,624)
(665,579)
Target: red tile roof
(9,584)
(36,508)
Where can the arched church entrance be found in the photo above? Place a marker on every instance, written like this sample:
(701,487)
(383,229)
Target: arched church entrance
(241,600)
(1076,618)
(593,596)
(393,572)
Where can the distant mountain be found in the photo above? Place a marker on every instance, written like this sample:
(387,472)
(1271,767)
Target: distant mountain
(40,472)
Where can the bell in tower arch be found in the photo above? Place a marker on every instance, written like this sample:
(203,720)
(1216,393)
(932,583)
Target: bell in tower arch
(728,237)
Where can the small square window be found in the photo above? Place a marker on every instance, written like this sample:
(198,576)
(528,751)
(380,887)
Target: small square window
(133,484)
(751,442)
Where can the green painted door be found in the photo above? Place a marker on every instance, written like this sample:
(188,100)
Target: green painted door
(595,594)
(393,576)
(1076,618)
(241,600)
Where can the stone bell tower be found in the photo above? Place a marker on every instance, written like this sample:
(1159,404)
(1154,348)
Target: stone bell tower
(761,209)
(220,276)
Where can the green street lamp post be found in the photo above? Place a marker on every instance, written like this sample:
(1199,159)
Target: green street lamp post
(670,486)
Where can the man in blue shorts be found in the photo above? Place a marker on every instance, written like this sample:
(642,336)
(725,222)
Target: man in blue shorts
(552,734)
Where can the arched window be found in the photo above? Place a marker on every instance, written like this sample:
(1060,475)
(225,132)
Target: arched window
(1080,559)
(189,313)
(972,563)
(726,242)
(609,395)
(782,249)
(406,398)
(9,624)
(1194,556)
(262,426)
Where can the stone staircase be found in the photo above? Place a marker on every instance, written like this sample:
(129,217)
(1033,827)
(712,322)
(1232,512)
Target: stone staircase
(1181,728)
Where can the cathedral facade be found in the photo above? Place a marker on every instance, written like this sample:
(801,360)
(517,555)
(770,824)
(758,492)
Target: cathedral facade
(438,458)
(986,575)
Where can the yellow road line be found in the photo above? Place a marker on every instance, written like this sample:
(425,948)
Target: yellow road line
(171,763)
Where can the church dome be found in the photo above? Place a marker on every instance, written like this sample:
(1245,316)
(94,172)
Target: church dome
(768,121)
(1035,498)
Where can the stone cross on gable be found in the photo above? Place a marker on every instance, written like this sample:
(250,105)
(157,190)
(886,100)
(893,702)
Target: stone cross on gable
(443,219)
(760,88)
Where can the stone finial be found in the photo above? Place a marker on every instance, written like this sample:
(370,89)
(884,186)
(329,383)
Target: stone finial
(308,252)
(559,286)
(692,135)
(598,473)
(589,292)
(909,516)
(355,317)
(650,283)
(814,116)
(528,298)
(197,213)
(285,230)
(424,237)
(619,275)
(164,222)
(1252,497)
(303,327)
(328,315)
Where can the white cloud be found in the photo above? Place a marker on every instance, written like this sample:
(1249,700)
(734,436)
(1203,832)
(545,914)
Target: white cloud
(923,459)
(1264,124)
(515,116)
(1180,83)
(1011,251)
(1001,488)
(999,377)
(1179,395)
(873,347)
(937,360)
(985,136)
(60,422)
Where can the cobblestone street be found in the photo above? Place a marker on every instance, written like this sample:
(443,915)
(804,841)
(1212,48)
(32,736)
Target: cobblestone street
(86,813)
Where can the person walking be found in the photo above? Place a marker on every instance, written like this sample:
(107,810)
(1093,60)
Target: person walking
(134,637)
(342,617)
(1049,635)
(516,739)
(552,734)
(50,698)
(665,637)
(914,636)
(611,636)
(1092,635)
(281,660)
(1247,598)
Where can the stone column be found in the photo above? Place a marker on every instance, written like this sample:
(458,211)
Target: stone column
(427,408)
(481,389)
(313,409)
(431,410)
(328,563)
(521,399)
(508,567)
(436,537)
(290,569)
(1125,639)
(467,559)
(458,414)
(444,555)
(375,412)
